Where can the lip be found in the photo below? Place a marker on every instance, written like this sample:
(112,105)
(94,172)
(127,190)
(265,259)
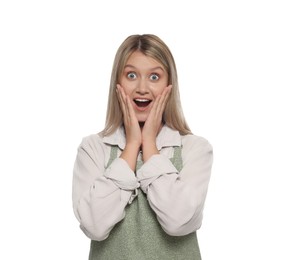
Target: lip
(141,109)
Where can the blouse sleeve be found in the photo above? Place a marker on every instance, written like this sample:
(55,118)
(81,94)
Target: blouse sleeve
(178,198)
(100,195)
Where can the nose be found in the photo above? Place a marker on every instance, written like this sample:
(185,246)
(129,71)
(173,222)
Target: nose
(142,87)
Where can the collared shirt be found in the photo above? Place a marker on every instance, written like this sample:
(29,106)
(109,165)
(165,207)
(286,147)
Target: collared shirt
(101,193)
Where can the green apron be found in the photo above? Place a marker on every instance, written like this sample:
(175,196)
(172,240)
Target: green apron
(139,236)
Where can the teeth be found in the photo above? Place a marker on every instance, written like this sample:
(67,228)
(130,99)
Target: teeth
(142,100)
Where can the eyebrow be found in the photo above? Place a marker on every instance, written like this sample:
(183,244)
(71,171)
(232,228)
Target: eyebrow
(154,68)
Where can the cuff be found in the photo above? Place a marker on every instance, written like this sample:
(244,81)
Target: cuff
(122,175)
(156,166)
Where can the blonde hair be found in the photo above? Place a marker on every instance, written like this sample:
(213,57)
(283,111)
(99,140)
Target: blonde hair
(151,46)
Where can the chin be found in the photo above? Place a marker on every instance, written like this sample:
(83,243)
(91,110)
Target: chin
(142,119)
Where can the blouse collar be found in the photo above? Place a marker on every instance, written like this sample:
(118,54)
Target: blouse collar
(167,137)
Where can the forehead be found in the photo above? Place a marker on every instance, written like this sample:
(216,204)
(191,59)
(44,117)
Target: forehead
(139,60)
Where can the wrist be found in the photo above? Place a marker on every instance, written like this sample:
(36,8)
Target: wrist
(130,154)
(149,149)
(133,146)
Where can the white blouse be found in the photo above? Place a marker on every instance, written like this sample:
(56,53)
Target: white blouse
(101,194)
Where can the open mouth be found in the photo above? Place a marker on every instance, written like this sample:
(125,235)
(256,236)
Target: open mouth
(142,102)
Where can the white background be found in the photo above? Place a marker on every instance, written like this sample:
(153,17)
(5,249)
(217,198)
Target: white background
(233,64)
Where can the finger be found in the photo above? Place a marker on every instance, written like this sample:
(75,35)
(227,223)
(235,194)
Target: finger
(120,92)
(130,110)
(163,100)
(120,97)
(126,101)
(166,93)
(123,102)
(155,106)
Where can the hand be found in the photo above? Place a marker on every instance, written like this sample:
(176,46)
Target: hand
(154,121)
(153,124)
(132,129)
(131,124)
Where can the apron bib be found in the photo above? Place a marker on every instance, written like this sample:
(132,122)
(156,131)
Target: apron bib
(139,235)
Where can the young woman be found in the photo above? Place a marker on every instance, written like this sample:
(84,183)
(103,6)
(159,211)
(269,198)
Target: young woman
(139,186)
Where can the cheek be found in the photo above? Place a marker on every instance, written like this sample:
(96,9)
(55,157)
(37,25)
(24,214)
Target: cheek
(127,86)
(158,90)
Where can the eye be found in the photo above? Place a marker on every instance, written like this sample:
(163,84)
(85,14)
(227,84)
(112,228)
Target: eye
(131,75)
(154,76)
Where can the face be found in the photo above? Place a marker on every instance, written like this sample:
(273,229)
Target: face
(143,79)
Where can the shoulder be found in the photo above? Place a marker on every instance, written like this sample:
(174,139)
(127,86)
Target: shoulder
(195,142)
(196,150)
(93,147)
(92,144)
(91,140)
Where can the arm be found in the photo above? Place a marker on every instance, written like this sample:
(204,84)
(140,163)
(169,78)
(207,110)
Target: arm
(178,198)
(100,195)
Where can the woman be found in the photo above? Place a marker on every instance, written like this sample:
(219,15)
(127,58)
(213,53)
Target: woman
(140,185)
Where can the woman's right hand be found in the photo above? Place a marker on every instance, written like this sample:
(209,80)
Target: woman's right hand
(132,129)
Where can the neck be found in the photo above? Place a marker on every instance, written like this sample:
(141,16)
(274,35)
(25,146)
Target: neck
(141,124)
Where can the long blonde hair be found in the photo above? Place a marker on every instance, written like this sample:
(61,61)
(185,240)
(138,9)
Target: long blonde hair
(151,46)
